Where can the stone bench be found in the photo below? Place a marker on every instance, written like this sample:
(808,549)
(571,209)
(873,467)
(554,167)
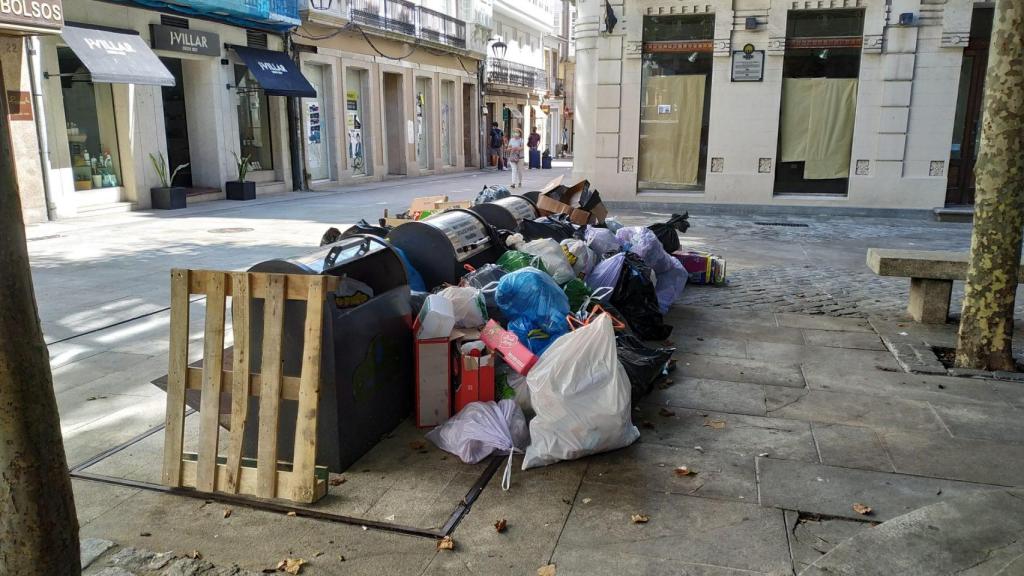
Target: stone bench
(931,276)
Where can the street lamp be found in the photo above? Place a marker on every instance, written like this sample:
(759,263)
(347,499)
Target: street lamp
(498,49)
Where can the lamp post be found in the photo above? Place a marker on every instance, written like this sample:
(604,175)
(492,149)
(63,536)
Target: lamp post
(498,50)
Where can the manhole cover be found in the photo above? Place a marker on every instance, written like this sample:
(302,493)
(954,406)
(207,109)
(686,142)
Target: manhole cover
(789,224)
(230,230)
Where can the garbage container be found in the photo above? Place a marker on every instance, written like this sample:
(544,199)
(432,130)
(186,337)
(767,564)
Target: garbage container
(506,213)
(440,246)
(366,376)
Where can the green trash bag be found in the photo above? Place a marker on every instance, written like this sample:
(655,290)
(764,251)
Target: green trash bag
(514,260)
(577,291)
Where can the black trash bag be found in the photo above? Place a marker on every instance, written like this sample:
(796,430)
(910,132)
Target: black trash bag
(364,227)
(635,297)
(557,227)
(666,231)
(480,278)
(644,365)
(589,198)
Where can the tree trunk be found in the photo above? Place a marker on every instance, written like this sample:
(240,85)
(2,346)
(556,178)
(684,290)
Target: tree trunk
(986,324)
(38,526)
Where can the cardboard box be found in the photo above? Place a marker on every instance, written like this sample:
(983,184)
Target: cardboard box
(426,203)
(433,382)
(476,380)
(517,356)
(442,206)
(566,201)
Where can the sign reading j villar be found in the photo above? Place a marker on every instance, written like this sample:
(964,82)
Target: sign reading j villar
(184,40)
(31,16)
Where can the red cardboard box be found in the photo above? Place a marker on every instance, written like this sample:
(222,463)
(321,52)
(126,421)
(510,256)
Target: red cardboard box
(517,356)
(476,380)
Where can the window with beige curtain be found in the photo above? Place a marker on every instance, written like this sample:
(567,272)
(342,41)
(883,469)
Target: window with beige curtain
(670,129)
(816,125)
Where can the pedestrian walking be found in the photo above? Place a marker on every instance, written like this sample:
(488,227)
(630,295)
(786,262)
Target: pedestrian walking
(494,145)
(515,158)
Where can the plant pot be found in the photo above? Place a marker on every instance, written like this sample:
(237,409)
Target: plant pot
(171,198)
(241,190)
(97,181)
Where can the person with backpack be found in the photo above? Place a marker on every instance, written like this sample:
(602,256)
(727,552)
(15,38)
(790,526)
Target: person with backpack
(494,145)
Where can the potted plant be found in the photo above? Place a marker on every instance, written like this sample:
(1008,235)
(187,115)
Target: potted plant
(167,196)
(241,189)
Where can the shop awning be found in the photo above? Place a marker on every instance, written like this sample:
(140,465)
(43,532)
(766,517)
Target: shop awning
(116,57)
(276,72)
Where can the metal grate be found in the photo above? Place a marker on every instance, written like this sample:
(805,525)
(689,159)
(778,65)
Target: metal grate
(255,39)
(788,224)
(173,21)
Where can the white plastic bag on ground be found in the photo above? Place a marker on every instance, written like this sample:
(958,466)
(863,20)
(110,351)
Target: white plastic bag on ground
(580,257)
(468,305)
(581,395)
(550,253)
(602,241)
(481,428)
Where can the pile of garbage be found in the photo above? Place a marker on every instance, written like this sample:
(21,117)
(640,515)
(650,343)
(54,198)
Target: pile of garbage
(544,350)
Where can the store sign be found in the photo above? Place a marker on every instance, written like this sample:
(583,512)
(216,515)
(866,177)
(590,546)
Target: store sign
(748,64)
(174,39)
(19,105)
(32,15)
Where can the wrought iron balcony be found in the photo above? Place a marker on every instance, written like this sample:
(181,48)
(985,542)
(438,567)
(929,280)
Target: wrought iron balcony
(500,71)
(404,17)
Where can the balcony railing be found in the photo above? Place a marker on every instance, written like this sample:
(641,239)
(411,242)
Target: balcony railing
(404,17)
(441,28)
(501,71)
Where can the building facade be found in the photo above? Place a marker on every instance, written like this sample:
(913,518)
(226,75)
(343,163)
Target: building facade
(832,103)
(519,73)
(398,87)
(126,87)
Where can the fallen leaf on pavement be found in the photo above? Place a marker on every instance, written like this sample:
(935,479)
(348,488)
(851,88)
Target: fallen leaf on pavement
(639,518)
(501,525)
(291,565)
(685,471)
(418,445)
(716,424)
(446,543)
(338,481)
(861,509)
(292,514)
(666,412)
(548,570)
(390,518)
(227,512)
(195,555)
(586,500)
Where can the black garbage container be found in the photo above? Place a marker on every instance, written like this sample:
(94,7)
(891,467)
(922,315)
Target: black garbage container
(366,386)
(506,213)
(440,246)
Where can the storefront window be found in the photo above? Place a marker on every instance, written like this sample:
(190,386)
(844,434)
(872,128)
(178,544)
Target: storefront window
(675,101)
(253,121)
(423,122)
(819,101)
(354,120)
(91,127)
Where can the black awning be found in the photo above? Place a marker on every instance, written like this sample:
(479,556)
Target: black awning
(276,73)
(116,57)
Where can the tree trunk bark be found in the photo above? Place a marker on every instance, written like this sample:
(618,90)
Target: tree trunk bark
(986,323)
(38,525)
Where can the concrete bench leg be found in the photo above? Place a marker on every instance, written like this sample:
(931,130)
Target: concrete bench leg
(929,300)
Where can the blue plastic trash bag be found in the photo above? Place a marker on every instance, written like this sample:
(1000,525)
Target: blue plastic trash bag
(416,283)
(535,306)
(668,271)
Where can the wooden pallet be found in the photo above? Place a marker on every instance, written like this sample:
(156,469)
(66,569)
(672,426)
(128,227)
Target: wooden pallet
(206,470)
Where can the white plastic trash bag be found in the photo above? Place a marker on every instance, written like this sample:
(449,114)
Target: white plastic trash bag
(580,257)
(468,305)
(481,428)
(550,253)
(580,393)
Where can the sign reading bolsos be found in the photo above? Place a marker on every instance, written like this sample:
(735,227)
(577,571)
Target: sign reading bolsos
(748,64)
(31,16)
(174,39)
